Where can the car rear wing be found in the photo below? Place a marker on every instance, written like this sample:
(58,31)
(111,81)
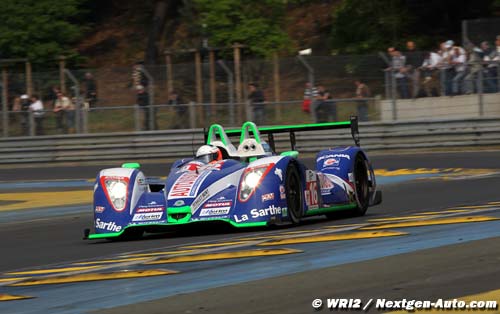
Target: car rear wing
(291,129)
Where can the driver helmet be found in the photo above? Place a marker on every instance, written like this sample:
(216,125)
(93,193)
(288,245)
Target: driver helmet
(208,153)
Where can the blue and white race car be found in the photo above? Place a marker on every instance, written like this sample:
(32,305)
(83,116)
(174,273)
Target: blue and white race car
(245,186)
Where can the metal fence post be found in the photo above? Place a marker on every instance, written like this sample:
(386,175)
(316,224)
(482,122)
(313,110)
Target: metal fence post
(137,117)
(387,85)
(230,89)
(394,96)
(31,126)
(480,91)
(85,121)
(5,96)
(62,78)
(237,73)
(78,102)
(192,115)
(151,97)
(442,81)
(276,79)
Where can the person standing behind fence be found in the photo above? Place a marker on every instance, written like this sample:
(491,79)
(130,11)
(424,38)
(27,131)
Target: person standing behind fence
(143,103)
(414,60)
(256,101)
(138,77)
(180,121)
(476,57)
(491,72)
(36,108)
(325,108)
(363,92)
(399,70)
(90,89)
(310,94)
(458,59)
(65,114)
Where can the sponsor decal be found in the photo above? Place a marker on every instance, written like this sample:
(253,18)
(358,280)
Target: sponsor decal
(325,183)
(279,173)
(282,192)
(333,156)
(350,175)
(331,162)
(184,185)
(109,226)
(256,213)
(141,181)
(155,209)
(214,204)
(179,203)
(311,195)
(205,195)
(284,211)
(215,211)
(147,216)
(268,197)
(270,211)
(99,209)
(152,203)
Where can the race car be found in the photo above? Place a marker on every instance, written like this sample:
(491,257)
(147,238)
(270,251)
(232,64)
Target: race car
(246,186)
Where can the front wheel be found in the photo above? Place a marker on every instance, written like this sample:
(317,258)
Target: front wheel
(361,185)
(293,188)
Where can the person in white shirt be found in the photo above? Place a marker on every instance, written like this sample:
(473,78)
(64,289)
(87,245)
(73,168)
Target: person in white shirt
(36,107)
(430,74)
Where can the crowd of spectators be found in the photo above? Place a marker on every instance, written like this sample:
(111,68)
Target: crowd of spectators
(31,110)
(449,70)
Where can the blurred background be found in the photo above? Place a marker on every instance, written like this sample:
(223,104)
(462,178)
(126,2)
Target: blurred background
(89,66)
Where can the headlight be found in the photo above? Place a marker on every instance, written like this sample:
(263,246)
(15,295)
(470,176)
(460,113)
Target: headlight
(116,190)
(251,179)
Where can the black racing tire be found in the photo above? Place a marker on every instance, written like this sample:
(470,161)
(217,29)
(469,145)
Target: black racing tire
(294,194)
(361,185)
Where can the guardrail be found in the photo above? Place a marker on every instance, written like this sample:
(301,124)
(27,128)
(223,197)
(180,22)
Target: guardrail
(172,144)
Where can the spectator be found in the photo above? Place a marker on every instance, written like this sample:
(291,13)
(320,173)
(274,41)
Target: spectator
(256,100)
(90,89)
(445,66)
(362,91)
(430,81)
(309,94)
(325,109)
(181,114)
(138,77)
(25,115)
(476,57)
(37,108)
(414,60)
(491,72)
(65,114)
(143,103)
(458,59)
(398,68)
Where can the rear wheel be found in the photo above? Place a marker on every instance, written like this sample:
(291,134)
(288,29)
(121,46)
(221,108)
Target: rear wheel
(361,185)
(293,188)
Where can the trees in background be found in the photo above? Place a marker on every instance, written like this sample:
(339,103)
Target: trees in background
(39,30)
(257,24)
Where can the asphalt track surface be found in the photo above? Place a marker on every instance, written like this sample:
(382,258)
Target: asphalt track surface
(466,264)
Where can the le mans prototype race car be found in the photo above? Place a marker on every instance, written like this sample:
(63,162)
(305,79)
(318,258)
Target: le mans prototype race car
(249,185)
